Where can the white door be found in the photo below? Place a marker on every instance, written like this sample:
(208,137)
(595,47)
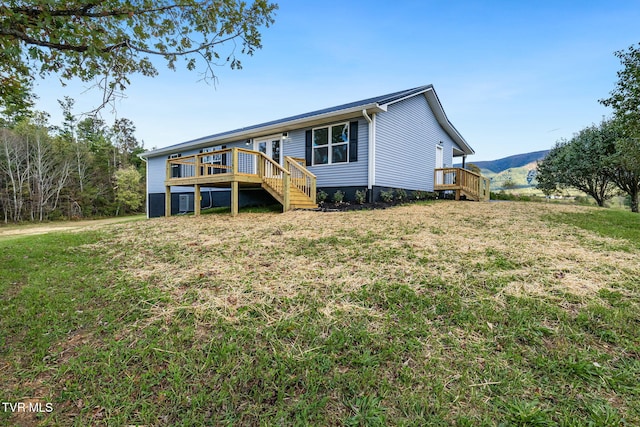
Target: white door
(439,164)
(272,147)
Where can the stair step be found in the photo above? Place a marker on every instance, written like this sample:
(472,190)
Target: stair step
(297,198)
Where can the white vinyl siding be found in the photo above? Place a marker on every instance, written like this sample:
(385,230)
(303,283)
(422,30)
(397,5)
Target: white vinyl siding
(406,137)
(338,174)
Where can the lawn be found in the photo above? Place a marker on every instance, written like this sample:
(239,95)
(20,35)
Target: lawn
(447,313)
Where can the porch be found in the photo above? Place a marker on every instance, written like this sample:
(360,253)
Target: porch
(292,185)
(464,182)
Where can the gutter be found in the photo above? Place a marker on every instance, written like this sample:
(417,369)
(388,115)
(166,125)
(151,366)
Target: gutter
(371,155)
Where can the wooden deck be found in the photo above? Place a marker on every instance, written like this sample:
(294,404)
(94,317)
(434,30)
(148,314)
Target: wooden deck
(464,182)
(293,185)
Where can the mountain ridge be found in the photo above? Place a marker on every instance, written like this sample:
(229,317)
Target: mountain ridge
(510,162)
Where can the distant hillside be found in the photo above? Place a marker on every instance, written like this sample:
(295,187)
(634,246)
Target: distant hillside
(518,177)
(517,171)
(517,161)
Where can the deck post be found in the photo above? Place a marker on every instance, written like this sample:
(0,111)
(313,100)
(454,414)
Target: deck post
(234,182)
(234,161)
(286,190)
(234,198)
(167,201)
(196,200)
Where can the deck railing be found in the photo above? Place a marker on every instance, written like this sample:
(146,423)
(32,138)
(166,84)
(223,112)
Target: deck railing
(221,162)
(301,178)
(470,183)
(238,161)
(200,165)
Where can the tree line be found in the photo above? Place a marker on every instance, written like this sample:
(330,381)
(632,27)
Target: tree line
(603,160)
(85,167)
(81,168)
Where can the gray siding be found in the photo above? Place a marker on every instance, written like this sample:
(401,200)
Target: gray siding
(337,175)
(406,138)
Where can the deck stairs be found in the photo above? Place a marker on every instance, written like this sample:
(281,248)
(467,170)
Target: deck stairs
(297,199)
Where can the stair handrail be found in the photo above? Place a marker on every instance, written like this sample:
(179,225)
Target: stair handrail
(283,186)
(268,159)
(452,178)
(307,183)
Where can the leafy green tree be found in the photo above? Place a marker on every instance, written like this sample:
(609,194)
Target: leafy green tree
(625,169)
(625,101)
(625,98)
(110,40)
(129,192)
(582,163)
(16,97)
(122,135)
(548,171)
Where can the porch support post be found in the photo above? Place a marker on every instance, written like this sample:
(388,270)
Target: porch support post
(234,183)
(196,199)
(286,205)
(167,201)
(464,161)
(234,198)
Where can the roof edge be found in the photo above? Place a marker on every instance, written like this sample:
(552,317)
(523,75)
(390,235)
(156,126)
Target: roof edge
(263,129)
(441,117)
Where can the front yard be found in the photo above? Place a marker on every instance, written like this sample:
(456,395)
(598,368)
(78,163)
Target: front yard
(447,313)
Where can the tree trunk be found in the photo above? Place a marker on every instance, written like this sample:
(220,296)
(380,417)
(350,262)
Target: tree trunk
(634,200)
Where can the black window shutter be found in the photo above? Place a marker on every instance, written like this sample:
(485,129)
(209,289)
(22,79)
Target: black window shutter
(353,141)
(308,147)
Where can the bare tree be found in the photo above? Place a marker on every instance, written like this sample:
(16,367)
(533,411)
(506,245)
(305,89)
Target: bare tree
(14,167)
(49,174)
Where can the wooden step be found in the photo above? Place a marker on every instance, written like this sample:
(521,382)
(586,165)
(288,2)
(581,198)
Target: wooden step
(297,199)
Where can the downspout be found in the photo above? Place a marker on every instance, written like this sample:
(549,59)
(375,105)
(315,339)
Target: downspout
(464,161)
(371,156)
(146,184)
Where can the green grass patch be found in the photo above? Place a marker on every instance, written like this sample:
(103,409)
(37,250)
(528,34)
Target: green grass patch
(248,209)
(614,223)
(433,338)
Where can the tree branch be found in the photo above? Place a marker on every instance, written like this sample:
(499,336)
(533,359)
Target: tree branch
(84,11)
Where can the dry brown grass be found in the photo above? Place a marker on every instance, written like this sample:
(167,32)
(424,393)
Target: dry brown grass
(218,264)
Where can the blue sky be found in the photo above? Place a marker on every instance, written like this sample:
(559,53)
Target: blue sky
(512,76)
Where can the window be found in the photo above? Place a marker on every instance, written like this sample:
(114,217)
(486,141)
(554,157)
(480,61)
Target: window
(176,170)
(214,158)
(331,144)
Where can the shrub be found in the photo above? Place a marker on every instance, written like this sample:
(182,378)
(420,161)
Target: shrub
(401,195)
(386,196)
(419,195)
(424,195)
(361,196)
(338,197)
(321,196)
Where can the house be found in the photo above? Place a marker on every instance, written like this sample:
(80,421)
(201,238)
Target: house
(401,140)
